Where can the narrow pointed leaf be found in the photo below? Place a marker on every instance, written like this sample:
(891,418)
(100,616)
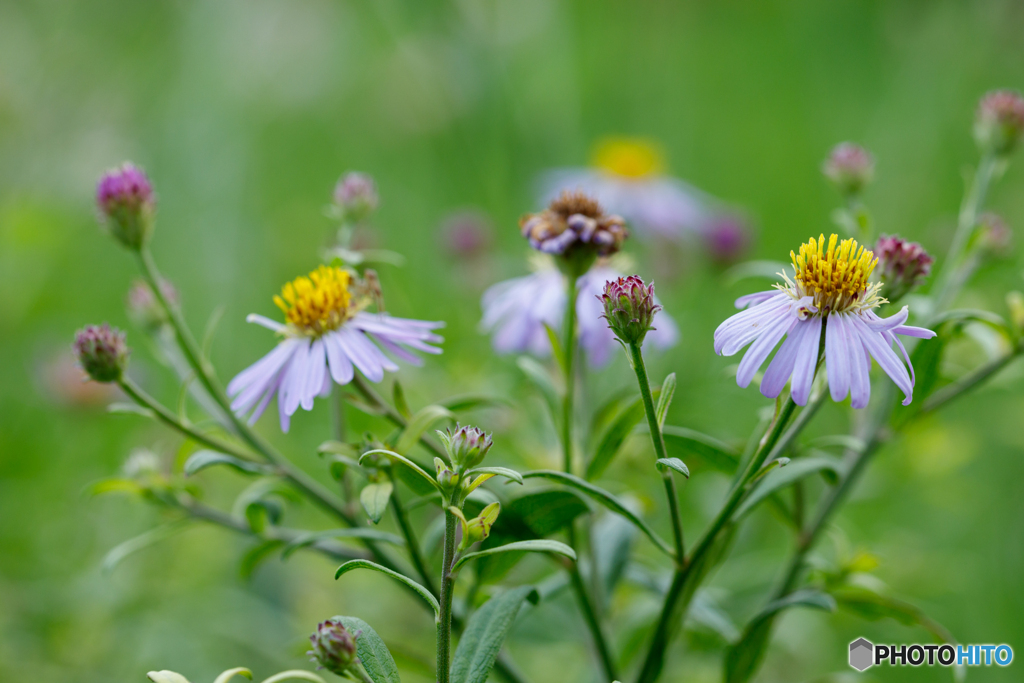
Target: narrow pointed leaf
(338,448)
(133,545)
(690,445)
(613,438)
(540,378)
(668,390)
(606,499)
(256,556)
(375,498)
(465,402)
(398,396)
(330,534)
(481,641)
(372,652)
(132,408)
(419,424)
(535,546)
(405,461)
(231,673)
(556,346)
(401,578)
(200,460)
(673,464)
(294,675)
(783,477)
(166,677)
(499,471)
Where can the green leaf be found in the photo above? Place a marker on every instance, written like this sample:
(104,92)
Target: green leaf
(668,390)
(613,438)
(166,677)
(200,460)
(673,464)
(556,346)
(398,396)
(541,512)
(499,471)
(465,402)
(873,606)
(372,651)
(401,578)
(419,424)
(690,445)
(294,674)
(114,486)
(606,499)
(261,502)
(231,673)
(140,542)
(405,461)
(611,555)
(355,532)
(534,546)
(375,499)
(134,409)
(783,477)
(540,378)
(255,557)
(338,448)
(484,634)
(743,659)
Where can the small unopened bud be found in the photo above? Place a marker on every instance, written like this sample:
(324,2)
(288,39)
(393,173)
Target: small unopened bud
(727,237)
(102,352)
(127,205)
(143,307)
(629,308)
(478,528)
(467,234)
(466,446)
(999,122)
(902,265)
(994,235)
(356,196)
(445,477)
(334,646)
(850,167)
(574,228)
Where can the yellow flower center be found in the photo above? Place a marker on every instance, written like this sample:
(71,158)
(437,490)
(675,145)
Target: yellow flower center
(628,157)
(318,303)
(836,275)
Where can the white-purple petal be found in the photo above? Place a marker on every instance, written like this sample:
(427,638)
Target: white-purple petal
(837,358)
(806,359)
(755,356)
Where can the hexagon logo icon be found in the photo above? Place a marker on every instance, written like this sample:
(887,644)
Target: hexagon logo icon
(861,654)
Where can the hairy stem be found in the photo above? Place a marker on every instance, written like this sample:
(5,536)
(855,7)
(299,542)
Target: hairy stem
(444,620)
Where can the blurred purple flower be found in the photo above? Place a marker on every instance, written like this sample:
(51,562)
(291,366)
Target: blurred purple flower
(467,234)
(515,312)
(728,237)
(127,204)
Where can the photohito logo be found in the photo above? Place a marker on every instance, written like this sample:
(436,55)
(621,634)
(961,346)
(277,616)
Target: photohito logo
(865,654)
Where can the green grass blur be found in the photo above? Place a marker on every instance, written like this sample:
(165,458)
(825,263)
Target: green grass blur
(245,113)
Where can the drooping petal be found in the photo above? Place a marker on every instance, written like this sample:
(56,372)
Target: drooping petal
(316,368)
(263,368)
(755,298)
(886,358)
(338,362)
(911,331)
(879,324)
(781,367)
(860,364)
(361,352)
(755,356)
(294,379)
(753,324)
(837,357)
(266,322)
(806,359)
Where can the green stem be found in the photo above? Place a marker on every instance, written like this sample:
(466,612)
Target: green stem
(592,621)
(444,619)
(655,658)
(658,440)
(569,358)
(969,381)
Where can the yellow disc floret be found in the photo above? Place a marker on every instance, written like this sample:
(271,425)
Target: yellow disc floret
(628,157)
(836,275)
(318,303)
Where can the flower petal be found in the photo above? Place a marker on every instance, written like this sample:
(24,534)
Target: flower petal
(316,368)
(338,362)
(755,298)
(266,322)
(806,359)
(837,358)
(264,368)
(886,358)
(755,356)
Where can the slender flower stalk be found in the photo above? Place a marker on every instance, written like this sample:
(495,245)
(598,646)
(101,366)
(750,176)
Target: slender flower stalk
(444,619)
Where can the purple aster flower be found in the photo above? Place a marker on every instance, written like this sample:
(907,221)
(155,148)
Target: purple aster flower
(515,312)
(127,204)
(999,122)
(628,178)
(829,290)
(356,195)
(327,336)
(850,167)
(904,265)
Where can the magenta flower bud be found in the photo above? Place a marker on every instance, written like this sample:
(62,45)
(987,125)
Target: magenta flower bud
(629,308)
(467,234)
(850,167)
(334,646)
(127,205)
(102,352)
(143,307)
(466,446)
(902,265)
(356,196)
(999,122)
(575,229)
(727,238)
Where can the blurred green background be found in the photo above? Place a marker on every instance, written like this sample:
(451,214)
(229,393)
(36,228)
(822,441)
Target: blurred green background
(246,112)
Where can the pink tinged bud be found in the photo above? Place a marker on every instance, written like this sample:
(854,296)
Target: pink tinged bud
(143,307)
(629,308)
(467,234)
(127,205)
(334,646)
(850,167)
(999,122)
(466,446)
(902,265)
(994,235)
(728,238)
(102,352)
(356,196)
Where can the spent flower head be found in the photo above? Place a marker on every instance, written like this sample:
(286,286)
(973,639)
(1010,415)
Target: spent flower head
(334,646)
(575,229)
(356,195)
(629,308)
(903,265)
(102,352)
(127,205)
(850,167)
(999,121)
(466,446)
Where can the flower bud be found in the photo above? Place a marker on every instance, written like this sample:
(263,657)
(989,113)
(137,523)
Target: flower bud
(999,122)
(445,477)
(334,646)
(727,237)
(576,229)
(356,196)
(478,528)
(629,308)
(466,446)
(144,309)
(994,235)
(902,265)
(850,167)
(102,352)
(127,205)
(467,234)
